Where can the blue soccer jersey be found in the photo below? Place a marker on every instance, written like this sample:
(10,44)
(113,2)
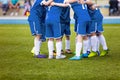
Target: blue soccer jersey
(95,14)
(54,12)
(53,26)
(82,17)
(37,19)
(97,19)
(37,12)
(81,11)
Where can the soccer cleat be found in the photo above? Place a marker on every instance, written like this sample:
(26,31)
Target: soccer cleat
(40,56)
(62,52)
(60,57)
(32,51)
(104,52)
(50,57)
(88,52)
(68,51)
(76,58)
(54,52)
(85,55)
(92,54)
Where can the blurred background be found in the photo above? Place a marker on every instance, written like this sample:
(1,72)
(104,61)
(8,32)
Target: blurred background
(17,11)
(108,7)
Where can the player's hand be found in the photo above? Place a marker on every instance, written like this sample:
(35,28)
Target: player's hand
(43,2)
(52,3)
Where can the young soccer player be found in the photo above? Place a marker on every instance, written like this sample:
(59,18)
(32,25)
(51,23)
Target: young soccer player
(85,38)
(83,17)
(53,28)
(65,28)
(36,22)
(90,38)
(96,30)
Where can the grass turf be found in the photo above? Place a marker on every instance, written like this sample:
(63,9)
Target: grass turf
(17,63)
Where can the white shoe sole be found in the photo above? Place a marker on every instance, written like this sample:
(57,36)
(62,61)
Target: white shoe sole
(60,57)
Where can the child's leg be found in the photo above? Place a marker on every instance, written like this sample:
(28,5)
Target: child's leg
(98,46)
(67,44)
(78,48)
(102,41)
(98,43)
(58,49)
(78,45)
(37,44)
(62,52)
(85,47)
(36,31)
(93,45)
(89,44)
(104,45)
(94,42)
(50,47)
(85,44)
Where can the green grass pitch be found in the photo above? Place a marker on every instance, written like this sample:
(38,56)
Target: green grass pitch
(17,63)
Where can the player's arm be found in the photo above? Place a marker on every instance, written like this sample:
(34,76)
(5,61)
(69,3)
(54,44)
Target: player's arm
(59,4)
(70,1)
(46,3)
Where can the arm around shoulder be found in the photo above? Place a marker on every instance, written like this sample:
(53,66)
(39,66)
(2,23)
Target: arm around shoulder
(60,4)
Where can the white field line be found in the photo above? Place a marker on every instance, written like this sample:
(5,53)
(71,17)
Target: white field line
(113,27)
(12,18)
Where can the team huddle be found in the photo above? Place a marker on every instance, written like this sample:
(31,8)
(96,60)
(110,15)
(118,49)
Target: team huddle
(51,20)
